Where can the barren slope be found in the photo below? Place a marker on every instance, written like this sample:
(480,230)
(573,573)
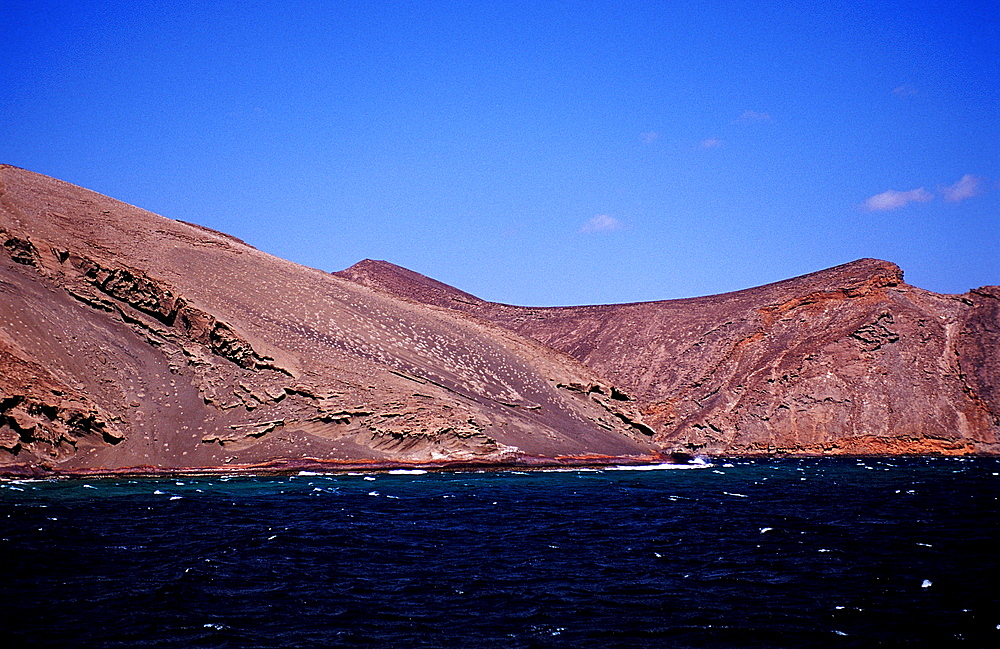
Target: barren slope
(128,339)
(845,360)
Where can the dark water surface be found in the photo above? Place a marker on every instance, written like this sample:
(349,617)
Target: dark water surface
(789,553)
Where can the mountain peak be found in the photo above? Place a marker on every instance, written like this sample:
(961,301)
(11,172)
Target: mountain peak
(405,283)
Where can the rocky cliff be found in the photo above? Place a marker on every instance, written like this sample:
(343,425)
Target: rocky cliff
(129,341)
(132,342)
(849,360)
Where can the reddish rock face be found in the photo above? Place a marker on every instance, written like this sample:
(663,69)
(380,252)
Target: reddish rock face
(849,360)
(132,342)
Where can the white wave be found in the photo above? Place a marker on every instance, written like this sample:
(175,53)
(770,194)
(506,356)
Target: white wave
(407,472)
(304,473)
(659,467)
(583,469)
(734,494)
(176,497)
(372,493)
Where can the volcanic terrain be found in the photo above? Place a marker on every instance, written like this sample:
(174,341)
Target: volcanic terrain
(848,360)
(129,340)
(132,342)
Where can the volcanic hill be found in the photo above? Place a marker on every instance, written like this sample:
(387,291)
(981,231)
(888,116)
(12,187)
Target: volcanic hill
(848,360)
(132,342)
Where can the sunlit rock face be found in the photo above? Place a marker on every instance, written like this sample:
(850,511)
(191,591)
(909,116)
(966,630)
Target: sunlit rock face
(129,341)
(132,342)
(848,360)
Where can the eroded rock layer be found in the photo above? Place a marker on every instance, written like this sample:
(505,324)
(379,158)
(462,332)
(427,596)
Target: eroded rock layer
(129,341)
(849,360)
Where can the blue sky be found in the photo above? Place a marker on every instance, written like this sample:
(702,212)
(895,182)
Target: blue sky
(537,152)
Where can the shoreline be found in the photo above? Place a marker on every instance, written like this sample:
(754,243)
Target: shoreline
(294,466)
(333,467)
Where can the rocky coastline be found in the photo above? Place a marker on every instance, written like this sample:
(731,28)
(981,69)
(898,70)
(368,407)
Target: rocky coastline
(133,344)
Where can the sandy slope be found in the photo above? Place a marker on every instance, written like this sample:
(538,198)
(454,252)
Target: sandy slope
(129,339)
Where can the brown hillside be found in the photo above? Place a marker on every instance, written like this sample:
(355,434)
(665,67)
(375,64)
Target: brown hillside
(845,360)
(131,340)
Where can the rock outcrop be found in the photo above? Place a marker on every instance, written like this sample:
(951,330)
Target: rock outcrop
(849,360)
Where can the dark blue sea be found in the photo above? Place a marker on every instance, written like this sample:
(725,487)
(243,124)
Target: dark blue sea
(778,553)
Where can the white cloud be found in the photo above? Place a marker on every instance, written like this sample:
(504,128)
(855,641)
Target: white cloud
(753,116)
(601,223)
(893,200)
(711,143)
(649,136)
(967,187)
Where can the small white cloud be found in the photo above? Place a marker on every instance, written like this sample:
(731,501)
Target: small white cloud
(649,136)
(967,187)
(905,91)
(893,200)
(601,223)
(750,116)
(711,143)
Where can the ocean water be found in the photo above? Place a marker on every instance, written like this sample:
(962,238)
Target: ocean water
(779,553)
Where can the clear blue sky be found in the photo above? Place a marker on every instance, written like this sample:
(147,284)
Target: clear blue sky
(533,152)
